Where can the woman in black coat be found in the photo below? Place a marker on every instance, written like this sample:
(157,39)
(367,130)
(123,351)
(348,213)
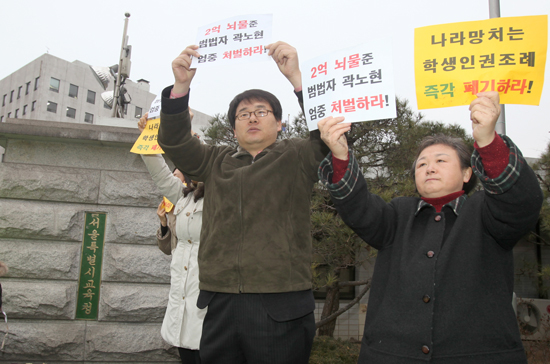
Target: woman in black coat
(443,280)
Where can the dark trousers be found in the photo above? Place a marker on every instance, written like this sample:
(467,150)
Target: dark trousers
(238,329)
(189,356)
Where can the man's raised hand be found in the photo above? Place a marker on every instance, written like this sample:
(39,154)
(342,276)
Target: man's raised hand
(286,58)
(181,67)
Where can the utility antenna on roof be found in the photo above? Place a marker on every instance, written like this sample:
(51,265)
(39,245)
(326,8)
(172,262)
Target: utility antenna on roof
(120,98)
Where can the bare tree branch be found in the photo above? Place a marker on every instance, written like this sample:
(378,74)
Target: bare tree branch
(353,283)
(344,309)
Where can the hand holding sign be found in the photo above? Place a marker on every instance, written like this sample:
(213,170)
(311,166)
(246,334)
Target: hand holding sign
(161,213)
(286,58)
(181,67)
(142,123)
(484,112)
(332,132)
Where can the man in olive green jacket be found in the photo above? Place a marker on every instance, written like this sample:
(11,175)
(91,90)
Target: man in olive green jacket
(255,253)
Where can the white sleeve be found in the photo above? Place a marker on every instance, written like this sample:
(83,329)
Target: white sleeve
(168,184)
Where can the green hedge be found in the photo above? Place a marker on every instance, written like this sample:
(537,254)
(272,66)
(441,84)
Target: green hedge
(327,350)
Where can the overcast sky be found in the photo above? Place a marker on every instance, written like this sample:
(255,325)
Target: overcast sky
(159,30)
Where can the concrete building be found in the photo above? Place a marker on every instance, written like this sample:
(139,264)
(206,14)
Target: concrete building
(52,89)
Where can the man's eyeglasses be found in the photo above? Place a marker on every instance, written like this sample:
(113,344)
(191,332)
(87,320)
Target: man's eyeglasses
(259,114)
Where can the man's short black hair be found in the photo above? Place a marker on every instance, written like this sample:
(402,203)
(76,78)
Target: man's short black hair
(255,95)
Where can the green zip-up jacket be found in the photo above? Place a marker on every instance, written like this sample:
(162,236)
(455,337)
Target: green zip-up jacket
(255,235)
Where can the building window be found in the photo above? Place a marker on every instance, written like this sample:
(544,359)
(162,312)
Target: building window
(54,84)
(52,107)
(25,110)
(11,96)
(88,118)
(19,92)
(27,88)
(71,113)
(2,119)
(16,113)
(9,115)
(347,274)
(4,100)
(106,105)
(73,91)
(91,97)
(33,106)
(138,112)
(36,83)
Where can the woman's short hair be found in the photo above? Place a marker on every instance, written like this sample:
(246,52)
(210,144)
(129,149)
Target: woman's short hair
(462,150)
(196,187)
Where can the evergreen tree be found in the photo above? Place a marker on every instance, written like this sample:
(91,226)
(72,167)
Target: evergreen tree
(540,273)
(219,132)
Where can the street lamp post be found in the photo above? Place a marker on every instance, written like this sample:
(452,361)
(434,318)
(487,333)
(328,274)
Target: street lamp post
(116,93)
(494,12)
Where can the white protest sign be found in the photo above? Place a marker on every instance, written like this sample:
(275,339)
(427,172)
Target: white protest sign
(154,110)
(356,83)
(235,40)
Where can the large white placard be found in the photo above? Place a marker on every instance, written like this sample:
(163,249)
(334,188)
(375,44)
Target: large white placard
(356,83)
(239,39)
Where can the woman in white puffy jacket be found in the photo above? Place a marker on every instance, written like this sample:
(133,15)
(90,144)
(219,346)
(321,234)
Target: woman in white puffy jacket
(182,325)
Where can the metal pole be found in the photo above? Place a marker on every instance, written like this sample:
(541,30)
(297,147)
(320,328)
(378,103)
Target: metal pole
(494,12)
(494,9)
(117,84)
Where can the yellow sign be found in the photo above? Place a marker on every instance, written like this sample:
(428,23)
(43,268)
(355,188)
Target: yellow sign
(147,141)
(453,62)
(167,204)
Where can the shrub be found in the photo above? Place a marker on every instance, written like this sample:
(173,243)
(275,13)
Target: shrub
(327,350)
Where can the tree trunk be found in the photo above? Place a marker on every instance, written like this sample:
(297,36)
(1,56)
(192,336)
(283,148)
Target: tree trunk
(335,315)
(332,304)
